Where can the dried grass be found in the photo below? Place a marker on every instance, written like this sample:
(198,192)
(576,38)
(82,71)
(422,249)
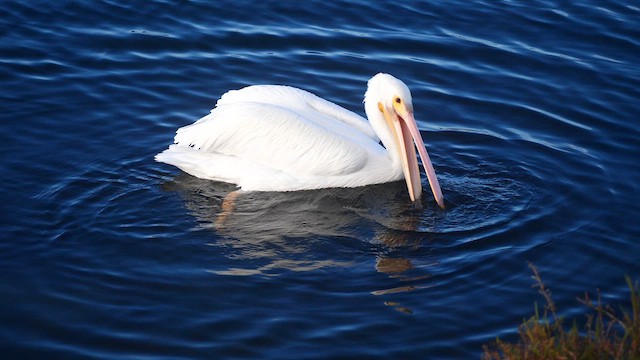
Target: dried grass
(608,334)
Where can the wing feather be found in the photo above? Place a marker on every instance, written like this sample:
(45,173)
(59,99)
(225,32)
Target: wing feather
(298,100)
(274,136)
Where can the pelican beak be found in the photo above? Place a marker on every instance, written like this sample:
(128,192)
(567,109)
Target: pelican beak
(405,130)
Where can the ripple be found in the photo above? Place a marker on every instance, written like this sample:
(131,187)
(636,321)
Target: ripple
(530,119)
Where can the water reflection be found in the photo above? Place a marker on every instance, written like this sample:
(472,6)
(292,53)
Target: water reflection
(374,227)
(306,230)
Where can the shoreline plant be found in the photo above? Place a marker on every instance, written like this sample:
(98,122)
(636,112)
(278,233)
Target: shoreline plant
(607,333)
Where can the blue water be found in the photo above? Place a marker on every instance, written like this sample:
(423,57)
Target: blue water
(530,111)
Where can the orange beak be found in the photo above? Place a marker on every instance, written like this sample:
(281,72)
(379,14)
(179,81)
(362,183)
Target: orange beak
(405,130)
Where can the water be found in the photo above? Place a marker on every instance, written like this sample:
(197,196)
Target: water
(529,110)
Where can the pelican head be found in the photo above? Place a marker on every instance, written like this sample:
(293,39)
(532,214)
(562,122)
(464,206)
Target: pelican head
(389,107)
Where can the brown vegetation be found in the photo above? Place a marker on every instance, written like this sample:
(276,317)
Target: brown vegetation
(607,334)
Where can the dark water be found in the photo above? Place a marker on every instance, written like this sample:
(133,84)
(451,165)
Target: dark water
(530,111)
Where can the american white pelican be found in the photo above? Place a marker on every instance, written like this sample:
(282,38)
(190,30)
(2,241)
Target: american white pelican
(279,138)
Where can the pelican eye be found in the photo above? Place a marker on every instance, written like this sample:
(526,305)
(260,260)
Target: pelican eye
(398,100)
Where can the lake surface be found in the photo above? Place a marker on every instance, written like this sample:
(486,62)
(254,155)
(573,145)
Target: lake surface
(530,111)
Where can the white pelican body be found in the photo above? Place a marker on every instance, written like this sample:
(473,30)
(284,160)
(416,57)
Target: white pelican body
(279,138)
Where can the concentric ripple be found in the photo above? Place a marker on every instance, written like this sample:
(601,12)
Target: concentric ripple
(529,112)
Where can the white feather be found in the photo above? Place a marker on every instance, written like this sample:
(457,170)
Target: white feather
(279,138)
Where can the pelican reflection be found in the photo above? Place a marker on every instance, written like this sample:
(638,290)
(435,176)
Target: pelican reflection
(306,230)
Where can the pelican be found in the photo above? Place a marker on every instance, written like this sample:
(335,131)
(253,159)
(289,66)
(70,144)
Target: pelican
(280,138)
